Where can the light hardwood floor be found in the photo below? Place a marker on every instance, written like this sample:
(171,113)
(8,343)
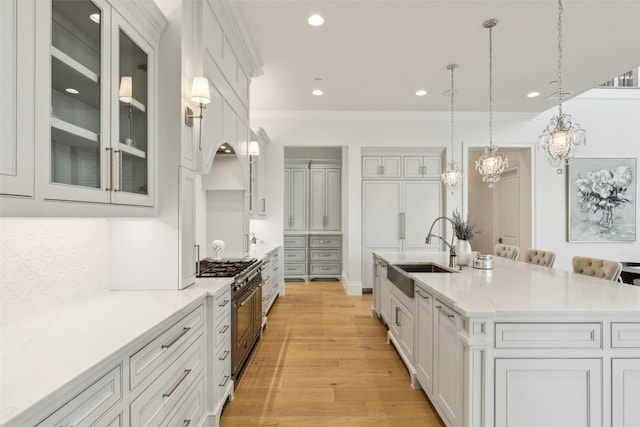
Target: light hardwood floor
(324,361)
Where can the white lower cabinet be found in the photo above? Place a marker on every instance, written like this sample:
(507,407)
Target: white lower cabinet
(401,330)
(89,406)
(424,339)
(447,386)
(549,392)
(625,379)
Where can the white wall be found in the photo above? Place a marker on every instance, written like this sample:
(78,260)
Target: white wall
(612,131)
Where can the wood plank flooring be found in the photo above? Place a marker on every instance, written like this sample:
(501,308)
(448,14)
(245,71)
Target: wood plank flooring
(324,361)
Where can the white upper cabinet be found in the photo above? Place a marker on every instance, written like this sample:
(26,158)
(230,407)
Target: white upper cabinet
(85,81)
(259,175)
(422,166)
(101,139)
(381,166)
(16,103)
(295,199)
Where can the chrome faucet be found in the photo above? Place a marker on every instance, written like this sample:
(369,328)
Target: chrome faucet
(452,249)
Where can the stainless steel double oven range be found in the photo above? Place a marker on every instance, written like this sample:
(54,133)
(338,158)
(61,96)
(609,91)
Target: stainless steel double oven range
(246,296)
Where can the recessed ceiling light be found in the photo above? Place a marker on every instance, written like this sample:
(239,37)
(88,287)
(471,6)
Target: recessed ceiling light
(533,94)
(95,17)
(72,91)
(318,92)
(421,92)
(315,20)
(227,151)
(317,87)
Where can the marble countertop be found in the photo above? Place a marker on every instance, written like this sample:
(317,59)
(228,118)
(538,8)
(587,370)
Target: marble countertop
(518,288)
(42,354)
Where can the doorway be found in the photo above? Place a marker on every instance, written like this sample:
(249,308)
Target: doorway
(504,213)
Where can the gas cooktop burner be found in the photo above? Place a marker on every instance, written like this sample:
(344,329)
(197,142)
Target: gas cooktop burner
(223,268)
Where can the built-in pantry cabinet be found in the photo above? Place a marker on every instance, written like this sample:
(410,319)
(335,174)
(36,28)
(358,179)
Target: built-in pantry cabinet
(259,175)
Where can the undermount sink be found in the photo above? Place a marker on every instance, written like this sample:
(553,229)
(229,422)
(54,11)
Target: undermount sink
(422,268)
(398,274)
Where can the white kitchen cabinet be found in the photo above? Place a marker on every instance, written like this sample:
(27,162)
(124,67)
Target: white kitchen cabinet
(99,84)
(259,175)
(396,217)
(381,166)
(219,377)
(17,74)
(324,198)
(271,281)
(447,385)
(532,392)
(424,339)
(625,382)
(401,328)
(295,199)
(325,256)
(422,166)
(379,271)
(189,251)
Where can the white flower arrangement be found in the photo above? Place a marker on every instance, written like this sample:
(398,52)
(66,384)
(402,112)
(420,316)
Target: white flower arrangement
(602,191)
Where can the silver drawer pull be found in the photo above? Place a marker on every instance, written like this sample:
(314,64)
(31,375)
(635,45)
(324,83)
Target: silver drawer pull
(186,423)
(324,255)
(177,337)
(422,295)
(225,329)
(225,381)
(325,241)
(225,355)
(445,312)
(177,383)
(225,302)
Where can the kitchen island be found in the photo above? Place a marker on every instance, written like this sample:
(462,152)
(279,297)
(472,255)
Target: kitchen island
(518,345)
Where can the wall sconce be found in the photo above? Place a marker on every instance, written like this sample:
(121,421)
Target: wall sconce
(254,148)
(200,94)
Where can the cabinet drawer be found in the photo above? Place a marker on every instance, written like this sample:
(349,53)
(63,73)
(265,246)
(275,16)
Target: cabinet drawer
(190,410)
(548,335)
(222,361)
(295,255)
(91,404)
(324,255)
(625,335)
(145,364)
(320,269)
(223,380)
(155,403)
(293,269)
(325,241)
(295,241)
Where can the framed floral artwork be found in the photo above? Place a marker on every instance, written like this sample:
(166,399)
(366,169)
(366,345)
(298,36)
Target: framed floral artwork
(601,200)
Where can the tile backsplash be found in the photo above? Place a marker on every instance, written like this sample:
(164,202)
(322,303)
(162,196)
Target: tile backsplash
(48,263)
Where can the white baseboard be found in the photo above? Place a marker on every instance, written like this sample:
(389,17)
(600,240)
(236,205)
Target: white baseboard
(351,288)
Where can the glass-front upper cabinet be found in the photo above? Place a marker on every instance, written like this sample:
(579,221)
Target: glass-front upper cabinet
(99,114)
(131,70)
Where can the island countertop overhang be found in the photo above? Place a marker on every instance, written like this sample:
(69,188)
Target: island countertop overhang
(515,288)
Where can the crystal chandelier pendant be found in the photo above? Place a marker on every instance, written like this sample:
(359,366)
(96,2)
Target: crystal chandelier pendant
(453,175)
(491,164)
(561,137)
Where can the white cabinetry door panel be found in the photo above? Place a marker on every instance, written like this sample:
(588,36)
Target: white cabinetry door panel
(422,205)
(381,208)
(332,199)
(625,403)
(424,344)
(316,199)
(447,363)
(16,104)
(188,250)
(548,392)
(295,195)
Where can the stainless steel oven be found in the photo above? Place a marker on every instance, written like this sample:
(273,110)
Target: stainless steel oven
(246,325)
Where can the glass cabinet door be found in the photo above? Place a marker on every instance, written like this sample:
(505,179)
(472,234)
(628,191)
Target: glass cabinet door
(76,157)
(132,67)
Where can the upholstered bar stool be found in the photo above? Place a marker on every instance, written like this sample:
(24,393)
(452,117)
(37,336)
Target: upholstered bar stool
(539,257)
(506,251)
(596,267)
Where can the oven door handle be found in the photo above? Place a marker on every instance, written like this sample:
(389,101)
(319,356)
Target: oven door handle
(246,300)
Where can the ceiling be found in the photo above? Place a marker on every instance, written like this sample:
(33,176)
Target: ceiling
(374,55)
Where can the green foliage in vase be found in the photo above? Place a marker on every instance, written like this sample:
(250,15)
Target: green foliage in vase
(463,229)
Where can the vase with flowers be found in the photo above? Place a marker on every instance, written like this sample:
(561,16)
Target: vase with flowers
(464,230)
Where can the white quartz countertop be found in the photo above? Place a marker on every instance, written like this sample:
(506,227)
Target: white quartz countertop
(519,288)
(40,355)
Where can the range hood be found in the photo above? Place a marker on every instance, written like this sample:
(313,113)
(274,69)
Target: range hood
(226,174)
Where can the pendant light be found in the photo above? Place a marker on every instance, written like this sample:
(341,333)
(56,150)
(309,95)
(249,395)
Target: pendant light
(492,162)
(561,137)
(453,175)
